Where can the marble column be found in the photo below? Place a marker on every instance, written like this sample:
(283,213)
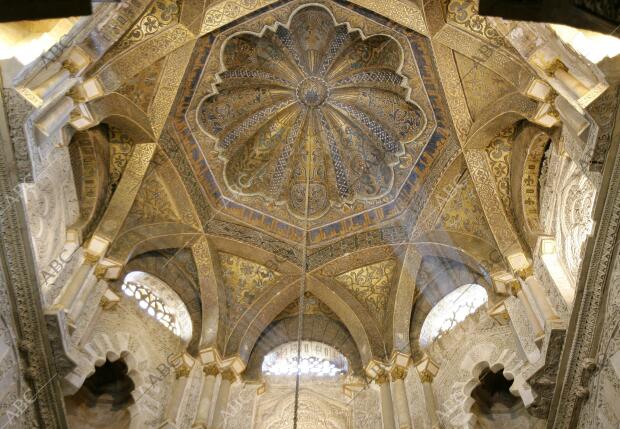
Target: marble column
(387,406)
(401,403)
(210,372)
(560,71)
(176,397)
(426,377)
(72,290)
(539,296)
(221,403)
(517,291)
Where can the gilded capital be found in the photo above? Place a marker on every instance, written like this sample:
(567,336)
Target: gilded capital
(90,259)
(210,369)
(553,112)
(382,377)
(524,273)
(107,303)
(515,288)
(398,372)
(228,375)
(100,271)
(426,376)
(182,371)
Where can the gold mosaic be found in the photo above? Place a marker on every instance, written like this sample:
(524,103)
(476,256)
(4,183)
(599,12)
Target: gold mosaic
(371,285)
(244,280)
(312,114)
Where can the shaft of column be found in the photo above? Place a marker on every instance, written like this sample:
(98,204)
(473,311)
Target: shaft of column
(178,389)
(219,410)
(575,86)
(429,398)
(210,371)
(75,285)
(401,403)
(387,407)
(541,299)
(518,292)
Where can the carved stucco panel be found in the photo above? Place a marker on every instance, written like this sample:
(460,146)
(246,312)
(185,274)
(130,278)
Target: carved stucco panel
(602,409)
(89,311)
(567,201)
(321,406)
(11,370)
(191,398)
(366,408)
(240,409)
(417,404)
(522,327)
(224,12)
(560,306)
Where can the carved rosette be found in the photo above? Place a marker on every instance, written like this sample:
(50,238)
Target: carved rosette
(311,114)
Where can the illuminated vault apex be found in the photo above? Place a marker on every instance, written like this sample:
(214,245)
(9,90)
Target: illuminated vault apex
(313,110)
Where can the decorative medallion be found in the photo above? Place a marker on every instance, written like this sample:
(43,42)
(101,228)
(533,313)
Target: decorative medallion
(311,114)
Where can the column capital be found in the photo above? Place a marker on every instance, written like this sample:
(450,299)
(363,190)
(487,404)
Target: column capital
(183,366)
(210,369)
(499,313)
(426,376)
(182,371)
(427,369)
(526,272)
(374,368)
(210,355)
(229,375)
(398,372)
(554,66)
(515,288)
(400,359)
(109,300)
(90,258)
(382,378)
(100,271)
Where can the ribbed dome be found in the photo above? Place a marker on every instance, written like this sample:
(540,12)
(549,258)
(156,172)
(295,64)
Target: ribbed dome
(311,106)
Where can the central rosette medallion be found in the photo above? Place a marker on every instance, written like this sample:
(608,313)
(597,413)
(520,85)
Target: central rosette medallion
(311,114)
(312,91)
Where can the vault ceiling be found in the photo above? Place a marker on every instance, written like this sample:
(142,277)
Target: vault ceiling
(289,140)
(313,117)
